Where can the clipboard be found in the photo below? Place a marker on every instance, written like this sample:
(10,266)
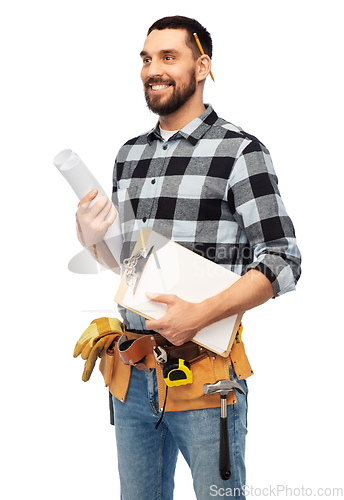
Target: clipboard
(160,265)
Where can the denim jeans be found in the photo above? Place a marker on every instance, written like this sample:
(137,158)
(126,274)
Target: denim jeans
(147,456)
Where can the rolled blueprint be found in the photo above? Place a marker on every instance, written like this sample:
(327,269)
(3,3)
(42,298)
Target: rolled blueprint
(82,182)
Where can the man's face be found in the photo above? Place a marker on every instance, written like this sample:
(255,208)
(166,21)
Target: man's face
(168,72)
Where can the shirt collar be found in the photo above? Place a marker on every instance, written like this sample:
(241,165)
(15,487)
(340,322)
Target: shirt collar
(193,131)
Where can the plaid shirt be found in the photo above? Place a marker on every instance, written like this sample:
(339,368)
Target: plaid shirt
(211,188)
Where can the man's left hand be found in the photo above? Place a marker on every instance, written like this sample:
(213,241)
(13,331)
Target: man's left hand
(182,320)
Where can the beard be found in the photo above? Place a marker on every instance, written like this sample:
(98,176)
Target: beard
(163,106)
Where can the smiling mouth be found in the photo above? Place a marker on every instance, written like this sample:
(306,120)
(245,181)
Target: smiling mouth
(158,87)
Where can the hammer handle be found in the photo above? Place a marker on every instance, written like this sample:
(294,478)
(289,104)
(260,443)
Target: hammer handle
(224,461)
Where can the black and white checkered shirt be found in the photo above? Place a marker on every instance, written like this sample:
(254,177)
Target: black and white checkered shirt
(212,188)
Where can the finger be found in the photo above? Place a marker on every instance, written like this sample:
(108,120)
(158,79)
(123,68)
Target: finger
(88,198)
(89,365)
(161,297)
(105,211)
(152,324)
(111,218)
(102,214)
(100,209)
(87,373)
(86,351)
(98,205)
(80,346)
(77,350)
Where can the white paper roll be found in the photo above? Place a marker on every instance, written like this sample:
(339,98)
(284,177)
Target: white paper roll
(82,182)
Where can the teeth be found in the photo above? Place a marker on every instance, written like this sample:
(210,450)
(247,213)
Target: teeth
(159,87)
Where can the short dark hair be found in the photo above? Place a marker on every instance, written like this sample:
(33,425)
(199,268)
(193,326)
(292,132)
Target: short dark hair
(191,26)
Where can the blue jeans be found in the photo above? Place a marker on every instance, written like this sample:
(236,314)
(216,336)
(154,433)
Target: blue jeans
(147,457)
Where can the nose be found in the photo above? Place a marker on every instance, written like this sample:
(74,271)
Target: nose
(155,68)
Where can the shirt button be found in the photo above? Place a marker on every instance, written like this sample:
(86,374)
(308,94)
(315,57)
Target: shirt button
(164,147)
(153,181)
(144,219)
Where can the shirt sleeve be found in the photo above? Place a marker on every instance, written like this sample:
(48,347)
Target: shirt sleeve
(256,204)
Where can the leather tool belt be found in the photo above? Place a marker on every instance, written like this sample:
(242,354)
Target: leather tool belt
(207,367)
(134,351)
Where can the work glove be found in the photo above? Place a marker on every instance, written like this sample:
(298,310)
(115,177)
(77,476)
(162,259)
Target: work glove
(94,342)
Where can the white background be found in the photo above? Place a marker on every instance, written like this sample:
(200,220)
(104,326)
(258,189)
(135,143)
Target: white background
(70,79)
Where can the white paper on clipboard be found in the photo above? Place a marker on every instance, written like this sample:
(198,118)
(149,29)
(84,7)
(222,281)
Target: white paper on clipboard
(172,268)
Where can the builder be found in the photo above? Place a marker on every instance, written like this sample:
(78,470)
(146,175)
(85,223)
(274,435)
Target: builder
(206,184)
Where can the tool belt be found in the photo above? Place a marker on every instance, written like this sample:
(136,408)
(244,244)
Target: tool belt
(136,350)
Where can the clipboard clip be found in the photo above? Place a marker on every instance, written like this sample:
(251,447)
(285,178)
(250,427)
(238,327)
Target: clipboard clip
(134,267)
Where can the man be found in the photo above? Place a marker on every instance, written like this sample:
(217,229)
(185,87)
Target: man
(211,187)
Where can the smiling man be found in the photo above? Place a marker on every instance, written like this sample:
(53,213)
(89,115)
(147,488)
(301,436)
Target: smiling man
(208,185)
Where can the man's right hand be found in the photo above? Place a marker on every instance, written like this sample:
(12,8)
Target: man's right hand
(91,222)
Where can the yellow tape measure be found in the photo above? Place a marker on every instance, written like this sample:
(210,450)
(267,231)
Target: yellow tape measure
(177,372)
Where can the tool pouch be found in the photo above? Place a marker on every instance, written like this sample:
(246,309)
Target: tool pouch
(116,374)
(191,396)
(207,368)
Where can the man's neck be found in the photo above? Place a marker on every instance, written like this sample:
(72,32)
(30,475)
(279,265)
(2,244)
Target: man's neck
(183,116)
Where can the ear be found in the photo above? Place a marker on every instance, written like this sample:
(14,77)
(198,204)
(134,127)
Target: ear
(203,68)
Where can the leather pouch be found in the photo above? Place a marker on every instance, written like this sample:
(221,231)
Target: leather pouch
(191,396)
(116,374)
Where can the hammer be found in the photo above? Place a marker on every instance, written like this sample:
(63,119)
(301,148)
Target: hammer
(223,387)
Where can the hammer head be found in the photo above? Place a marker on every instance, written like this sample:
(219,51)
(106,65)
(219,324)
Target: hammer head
(222,387)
